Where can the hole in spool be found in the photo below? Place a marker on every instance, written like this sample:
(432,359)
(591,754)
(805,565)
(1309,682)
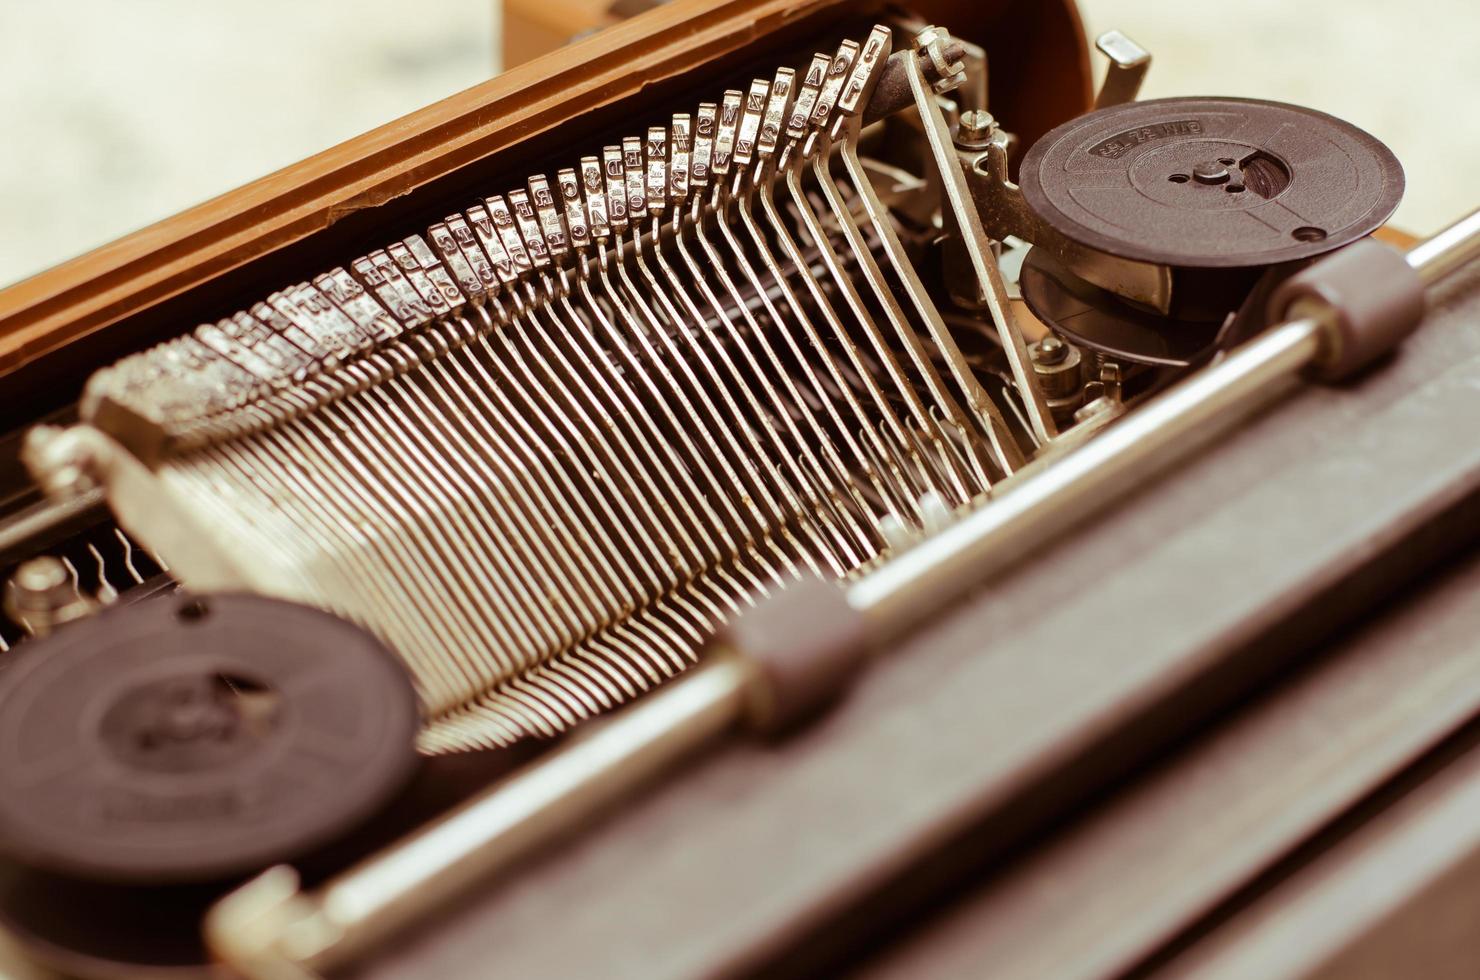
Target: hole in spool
(1264,174)
(1179,178)
(1308,233)
(193,611)
(189,722)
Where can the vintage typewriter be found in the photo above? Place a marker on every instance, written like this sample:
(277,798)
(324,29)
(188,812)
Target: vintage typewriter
(775,488)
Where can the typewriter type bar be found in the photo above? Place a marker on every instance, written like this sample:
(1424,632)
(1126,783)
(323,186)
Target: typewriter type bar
(572,430)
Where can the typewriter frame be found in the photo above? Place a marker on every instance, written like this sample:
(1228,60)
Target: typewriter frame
(58,326)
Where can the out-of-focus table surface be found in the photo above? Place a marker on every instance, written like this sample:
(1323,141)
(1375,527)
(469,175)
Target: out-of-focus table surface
(117,115)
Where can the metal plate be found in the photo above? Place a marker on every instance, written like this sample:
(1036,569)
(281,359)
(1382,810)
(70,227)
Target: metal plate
(195,739)
(1089,316)
(1153,181)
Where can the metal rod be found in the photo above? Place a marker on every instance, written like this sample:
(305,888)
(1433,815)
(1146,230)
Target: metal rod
(268,923)
(539,802)
(956,193)
(18,535)
(1449,250)
(892,91)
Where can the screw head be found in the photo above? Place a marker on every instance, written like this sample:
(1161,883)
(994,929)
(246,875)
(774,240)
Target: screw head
(976,126)
(40,575)
(1211,172)
(39,595)
(1050,350)
(932,43)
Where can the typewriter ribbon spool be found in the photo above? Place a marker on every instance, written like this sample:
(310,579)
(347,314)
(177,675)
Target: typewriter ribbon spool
(1158,220)
(205,737)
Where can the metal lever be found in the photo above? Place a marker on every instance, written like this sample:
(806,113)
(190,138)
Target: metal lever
(269,929)
(956,193)
(1129,63)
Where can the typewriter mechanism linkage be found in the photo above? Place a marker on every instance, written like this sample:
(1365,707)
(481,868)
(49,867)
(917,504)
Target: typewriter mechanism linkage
(702,420)
(688,422)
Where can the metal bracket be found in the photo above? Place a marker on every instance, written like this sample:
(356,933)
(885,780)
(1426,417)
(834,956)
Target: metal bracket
(1129,63)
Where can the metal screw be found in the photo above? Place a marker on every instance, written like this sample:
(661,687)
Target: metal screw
(933,43)
(1210,173)
(1050,350)
(1060,371)
(977,126)
(41,575)
(40,596)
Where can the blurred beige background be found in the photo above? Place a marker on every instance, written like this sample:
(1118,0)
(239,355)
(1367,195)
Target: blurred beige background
(117,114)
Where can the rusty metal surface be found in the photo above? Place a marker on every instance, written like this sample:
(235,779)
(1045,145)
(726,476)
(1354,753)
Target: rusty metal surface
(968,738)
